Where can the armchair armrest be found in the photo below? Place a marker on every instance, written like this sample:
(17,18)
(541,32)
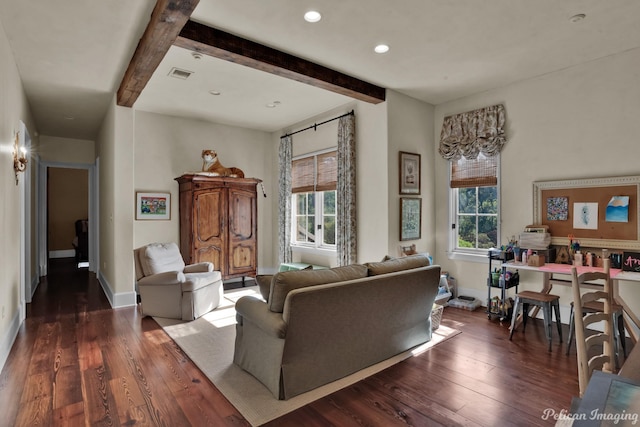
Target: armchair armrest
(163,279)
(200,267)
(257,312)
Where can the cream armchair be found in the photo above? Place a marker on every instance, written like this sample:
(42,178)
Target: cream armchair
(169,288)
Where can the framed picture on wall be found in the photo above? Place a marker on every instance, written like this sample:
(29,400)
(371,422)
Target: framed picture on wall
(153,206)
(410,218)
(409,173)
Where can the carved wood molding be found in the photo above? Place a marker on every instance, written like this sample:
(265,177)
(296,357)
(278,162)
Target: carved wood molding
(167,19)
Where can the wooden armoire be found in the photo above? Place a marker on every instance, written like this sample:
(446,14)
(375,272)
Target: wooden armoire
(219,223)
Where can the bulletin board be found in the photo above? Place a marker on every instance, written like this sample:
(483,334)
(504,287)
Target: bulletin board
(598,212)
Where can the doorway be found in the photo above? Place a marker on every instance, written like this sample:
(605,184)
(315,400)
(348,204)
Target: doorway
(67,201)
(68,214)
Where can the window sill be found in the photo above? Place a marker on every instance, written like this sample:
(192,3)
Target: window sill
(479,257)
(311,250)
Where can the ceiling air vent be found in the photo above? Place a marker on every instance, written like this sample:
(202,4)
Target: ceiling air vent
(180,74)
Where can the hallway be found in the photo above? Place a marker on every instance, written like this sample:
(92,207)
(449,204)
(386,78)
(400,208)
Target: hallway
(76,362)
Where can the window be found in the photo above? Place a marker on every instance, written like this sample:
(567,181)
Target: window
(474,187)
(314,179)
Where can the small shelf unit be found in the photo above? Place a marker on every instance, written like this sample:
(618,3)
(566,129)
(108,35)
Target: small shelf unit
(499,305)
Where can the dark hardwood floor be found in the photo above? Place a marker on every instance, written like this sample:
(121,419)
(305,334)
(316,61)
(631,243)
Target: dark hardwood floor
(76,361)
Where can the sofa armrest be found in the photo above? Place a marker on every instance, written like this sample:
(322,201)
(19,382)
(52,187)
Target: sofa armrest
(257,311)
(163,279)
(201,267)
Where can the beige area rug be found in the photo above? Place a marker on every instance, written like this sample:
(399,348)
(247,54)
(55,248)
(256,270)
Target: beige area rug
(209,342)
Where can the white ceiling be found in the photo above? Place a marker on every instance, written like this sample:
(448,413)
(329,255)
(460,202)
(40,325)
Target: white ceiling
(72,57)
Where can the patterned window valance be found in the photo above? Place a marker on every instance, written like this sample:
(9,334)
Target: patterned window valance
(473,132)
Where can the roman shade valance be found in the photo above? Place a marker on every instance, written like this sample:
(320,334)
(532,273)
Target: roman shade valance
(468,134)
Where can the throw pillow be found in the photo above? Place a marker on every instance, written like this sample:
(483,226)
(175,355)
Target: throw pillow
(264,284)
(160,258)
(286,281)
(397,264)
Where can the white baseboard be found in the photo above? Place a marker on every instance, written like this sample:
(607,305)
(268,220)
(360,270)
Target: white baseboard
(117,300)
(7,340)
(66,253)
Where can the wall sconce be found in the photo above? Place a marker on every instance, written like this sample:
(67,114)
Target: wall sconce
(19,157)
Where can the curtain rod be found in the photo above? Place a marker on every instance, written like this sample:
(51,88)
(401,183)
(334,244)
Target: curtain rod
(315,125)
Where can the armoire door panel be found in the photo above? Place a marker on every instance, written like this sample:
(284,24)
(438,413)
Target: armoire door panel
(242,224)
(208,221)
(242,259)
(210,254)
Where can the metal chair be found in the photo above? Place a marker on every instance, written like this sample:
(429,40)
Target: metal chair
(546,301)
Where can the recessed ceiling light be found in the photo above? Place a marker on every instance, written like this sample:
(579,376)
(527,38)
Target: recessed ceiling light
(273,104)
(381,48)
(196,55)
(577,18)
(68,117)
(215,92)
(312,16)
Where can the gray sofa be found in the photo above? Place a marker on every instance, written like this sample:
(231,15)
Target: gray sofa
(317,326)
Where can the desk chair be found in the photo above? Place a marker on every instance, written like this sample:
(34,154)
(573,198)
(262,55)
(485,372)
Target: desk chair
(602,340)
(618,327)
(545,301)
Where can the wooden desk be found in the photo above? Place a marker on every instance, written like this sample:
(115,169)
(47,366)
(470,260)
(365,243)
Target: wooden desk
(548,280)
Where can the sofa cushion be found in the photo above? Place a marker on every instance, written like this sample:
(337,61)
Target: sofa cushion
(286,281)
(161,257)
(392,265)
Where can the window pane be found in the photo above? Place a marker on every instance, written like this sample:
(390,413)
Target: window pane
(467,200)
(301,226)
(329,230)
(301,201)
(311,228)
(488,200)
(329,198)
(466,231)
(311,203)
(487,232)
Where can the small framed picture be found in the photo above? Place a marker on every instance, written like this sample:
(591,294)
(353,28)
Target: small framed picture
(409,173)
(153,205)
(410,218)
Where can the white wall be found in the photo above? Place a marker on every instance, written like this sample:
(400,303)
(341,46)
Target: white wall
(167,147)
(576,123)
(66,150)
(114,147)
(410,130)
(13,108)
(372,181)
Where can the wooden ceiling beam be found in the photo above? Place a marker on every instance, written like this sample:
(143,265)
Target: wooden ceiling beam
(167,19)
(210,41)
